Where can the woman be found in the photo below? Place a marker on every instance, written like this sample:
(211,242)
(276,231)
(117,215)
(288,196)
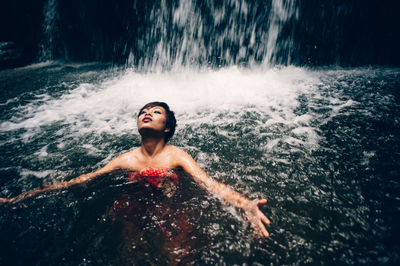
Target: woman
(154,161)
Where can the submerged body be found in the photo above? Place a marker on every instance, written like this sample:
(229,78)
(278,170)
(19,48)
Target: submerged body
(156,124)
(151,209)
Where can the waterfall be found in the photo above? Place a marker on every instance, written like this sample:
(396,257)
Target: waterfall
(165,34)
(216,34)
(281,13)
(47,51)
(178,33)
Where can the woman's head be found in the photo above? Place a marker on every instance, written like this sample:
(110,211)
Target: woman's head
(170,122)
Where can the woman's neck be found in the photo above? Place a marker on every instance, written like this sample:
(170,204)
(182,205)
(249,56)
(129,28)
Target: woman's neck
(152,146)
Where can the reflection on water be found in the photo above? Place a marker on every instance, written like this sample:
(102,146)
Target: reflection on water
(321,145)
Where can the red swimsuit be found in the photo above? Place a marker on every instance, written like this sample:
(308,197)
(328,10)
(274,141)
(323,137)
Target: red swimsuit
(155,176)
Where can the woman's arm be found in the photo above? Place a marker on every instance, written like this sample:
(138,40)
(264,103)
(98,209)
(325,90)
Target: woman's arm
(114,164)
(251,207)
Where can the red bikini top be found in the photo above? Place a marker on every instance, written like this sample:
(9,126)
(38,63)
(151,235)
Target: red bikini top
(154,176)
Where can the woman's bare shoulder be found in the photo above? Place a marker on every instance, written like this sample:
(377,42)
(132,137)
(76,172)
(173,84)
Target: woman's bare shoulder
(128,159)
(175,150)
(178,154)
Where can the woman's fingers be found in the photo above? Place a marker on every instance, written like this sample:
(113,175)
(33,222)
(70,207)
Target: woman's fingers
(261,202)
(257,218)
(3,200)
(262,219)
(263,229)
(258,226)
(265,219)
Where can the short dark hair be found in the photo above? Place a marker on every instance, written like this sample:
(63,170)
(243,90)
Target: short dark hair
(170,122)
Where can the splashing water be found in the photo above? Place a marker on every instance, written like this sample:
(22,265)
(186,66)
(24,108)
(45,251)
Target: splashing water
(309,141)
(228,91)
(321,145)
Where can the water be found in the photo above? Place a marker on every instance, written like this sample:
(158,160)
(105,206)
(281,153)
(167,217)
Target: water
(213,33)
(322,145)
(49,30)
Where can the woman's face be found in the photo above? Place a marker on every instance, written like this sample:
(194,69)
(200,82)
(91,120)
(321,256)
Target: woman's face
(153,118)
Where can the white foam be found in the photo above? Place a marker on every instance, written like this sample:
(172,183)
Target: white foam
(39,174)
(207,96)
(306,132)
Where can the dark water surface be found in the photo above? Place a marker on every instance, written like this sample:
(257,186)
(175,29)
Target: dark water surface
(321,145)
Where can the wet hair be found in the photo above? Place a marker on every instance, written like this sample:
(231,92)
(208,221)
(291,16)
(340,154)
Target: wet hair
(170,121)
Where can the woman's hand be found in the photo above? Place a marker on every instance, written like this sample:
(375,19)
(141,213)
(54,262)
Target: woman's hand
(6,201)
(3,200)
(256,217)
(27,194)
